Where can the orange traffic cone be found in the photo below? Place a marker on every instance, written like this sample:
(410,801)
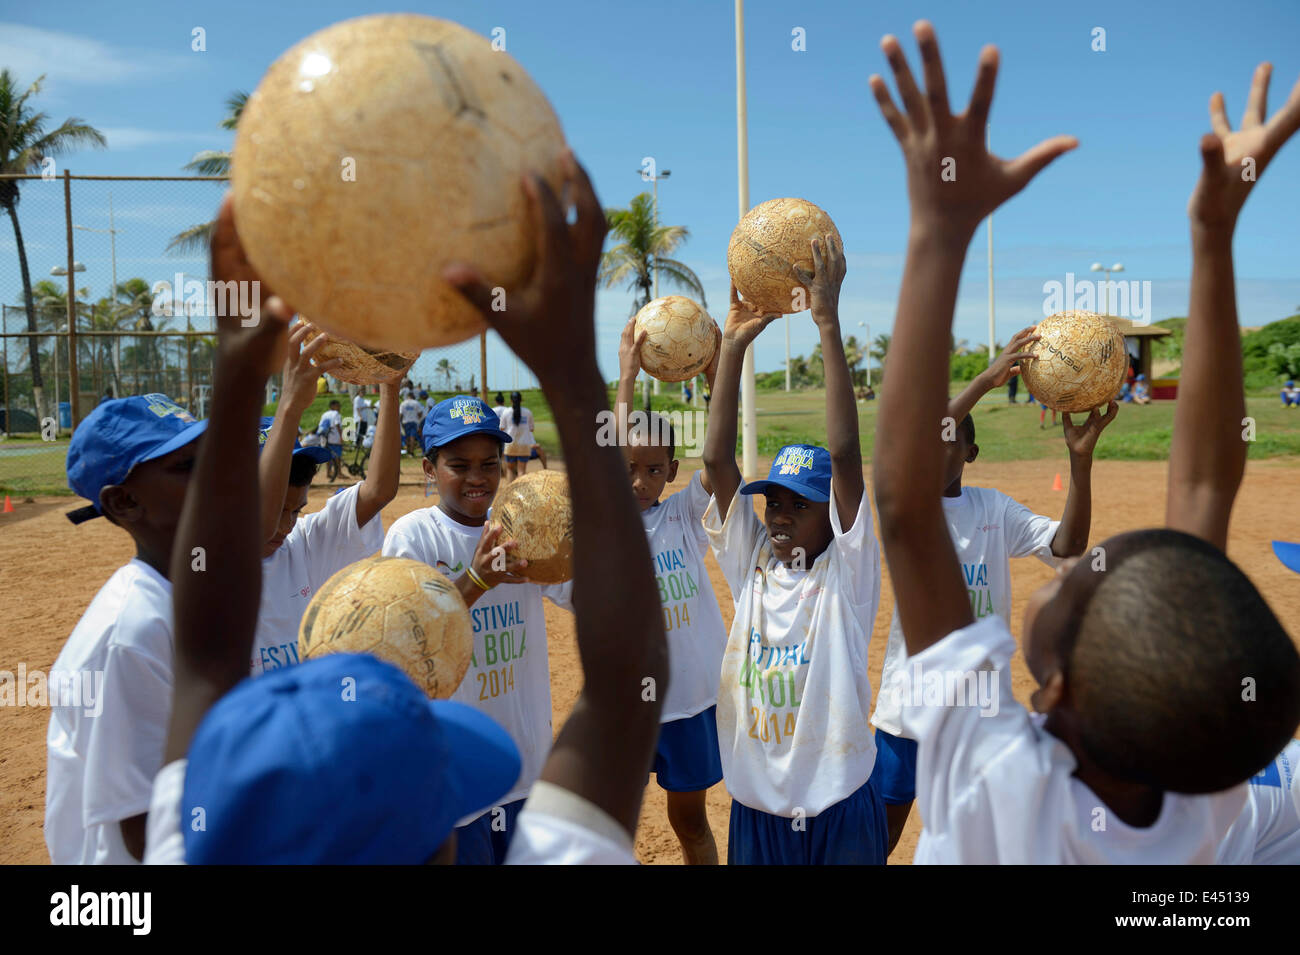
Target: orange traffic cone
(9,505)
(1056,485)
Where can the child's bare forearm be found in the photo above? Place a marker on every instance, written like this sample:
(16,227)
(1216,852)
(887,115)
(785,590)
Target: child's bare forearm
(385,473)
(1207,457)
(720,440)
(962,405)
(626,395)
(216,568)
(273,466)
(841,422)
(1072,535)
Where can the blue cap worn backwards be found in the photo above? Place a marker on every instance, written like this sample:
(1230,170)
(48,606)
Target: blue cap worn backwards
(118,435)
(318,454)
(803,468)
(339,760)
(456,417)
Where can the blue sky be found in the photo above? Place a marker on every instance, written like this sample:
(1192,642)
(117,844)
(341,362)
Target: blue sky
(630,81)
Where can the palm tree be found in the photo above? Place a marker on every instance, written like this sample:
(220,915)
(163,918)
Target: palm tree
(853,355)
(446,367)
(880,348)
(644,248)
(209,162)
(24,146)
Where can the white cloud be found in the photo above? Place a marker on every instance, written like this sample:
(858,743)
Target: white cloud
(66,58)
(133,137)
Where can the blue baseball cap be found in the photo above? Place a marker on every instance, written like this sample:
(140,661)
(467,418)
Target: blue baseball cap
(318,454)
(1288,553)
(339,760)
(802,468)
(456,417)
(118,435)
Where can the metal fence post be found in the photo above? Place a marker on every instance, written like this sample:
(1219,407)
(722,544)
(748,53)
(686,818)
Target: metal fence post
(74,379)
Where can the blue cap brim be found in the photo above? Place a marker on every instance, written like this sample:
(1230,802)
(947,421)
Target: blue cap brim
(179,440)
(1288,553)
(483,763)
(457,435)
(315,452)
(807,490)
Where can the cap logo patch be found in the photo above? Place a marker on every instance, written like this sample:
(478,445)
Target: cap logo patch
(164,407)
(793,460)
(470,412)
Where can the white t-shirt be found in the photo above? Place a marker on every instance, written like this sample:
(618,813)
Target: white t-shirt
(411,411)
(509,676)
(500,412)
(559,827)
(994,787)
(987,528)
(164,843)
(360,408)
(692,620)
(320,545)
(331,422)
(1268,830)
(100,766)
(794,696)
(522,433)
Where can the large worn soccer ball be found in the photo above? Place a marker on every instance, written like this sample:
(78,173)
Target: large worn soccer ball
(1080,363)
(362,365)
(402,611)
(535,511)
(767,244)
(375,152)
(681,339)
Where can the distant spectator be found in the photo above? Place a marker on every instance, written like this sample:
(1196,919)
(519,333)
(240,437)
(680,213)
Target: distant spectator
(360,409)
(1013,385)
(1042,415)
(1290,395)
(1141,391)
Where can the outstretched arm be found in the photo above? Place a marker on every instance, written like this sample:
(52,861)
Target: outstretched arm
(1207,457)
(1003,369)
(1072,535)
(298,390)
(629,366)
(824,284)
(216,569)
(744,323)
(606,747)
(928,585)
(385,474)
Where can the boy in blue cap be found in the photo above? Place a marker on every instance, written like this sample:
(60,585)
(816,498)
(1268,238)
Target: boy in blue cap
(509,675)
(300,555)
(249,787)
(797,752)
(131,458)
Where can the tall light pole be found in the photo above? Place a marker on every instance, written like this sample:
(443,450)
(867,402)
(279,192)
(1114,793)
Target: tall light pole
(112,231)
(867,333)
(655,179)
(748,392)
(1098,267)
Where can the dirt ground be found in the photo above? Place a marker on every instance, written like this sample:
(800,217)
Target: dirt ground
(50,570)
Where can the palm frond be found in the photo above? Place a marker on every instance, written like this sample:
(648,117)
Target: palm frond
(210,162)
(193,240)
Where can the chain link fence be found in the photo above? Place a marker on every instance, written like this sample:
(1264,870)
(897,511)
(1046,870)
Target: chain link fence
(101,296)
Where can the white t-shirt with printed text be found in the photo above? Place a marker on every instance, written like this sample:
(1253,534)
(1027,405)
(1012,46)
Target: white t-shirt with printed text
(411,411)
(319,546)
(1268,830)
(994,787)
(509,676)
(794,699)
(692,619)
(987,529)
(100,766)
(331,422)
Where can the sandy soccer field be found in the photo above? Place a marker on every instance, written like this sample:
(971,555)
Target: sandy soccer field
(49,571)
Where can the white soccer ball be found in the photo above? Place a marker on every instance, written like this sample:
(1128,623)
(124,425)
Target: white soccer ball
(768,243)
(681,338)
(399,610)
(1080,362)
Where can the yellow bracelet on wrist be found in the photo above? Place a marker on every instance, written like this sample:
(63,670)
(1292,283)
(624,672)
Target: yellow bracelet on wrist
(478,581)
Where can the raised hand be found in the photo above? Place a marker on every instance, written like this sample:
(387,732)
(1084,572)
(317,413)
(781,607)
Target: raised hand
(953,180)
(258,339)
(629,349)
(824,281)
(1007,365)
(744,321)
(1081,438)
(1234,160)
(298,388)
(495,562)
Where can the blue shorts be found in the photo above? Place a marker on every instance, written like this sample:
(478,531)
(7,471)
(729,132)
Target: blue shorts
(851,832)
(895,772)
(519,457)
(687,758)
(482,843)
(336,450)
